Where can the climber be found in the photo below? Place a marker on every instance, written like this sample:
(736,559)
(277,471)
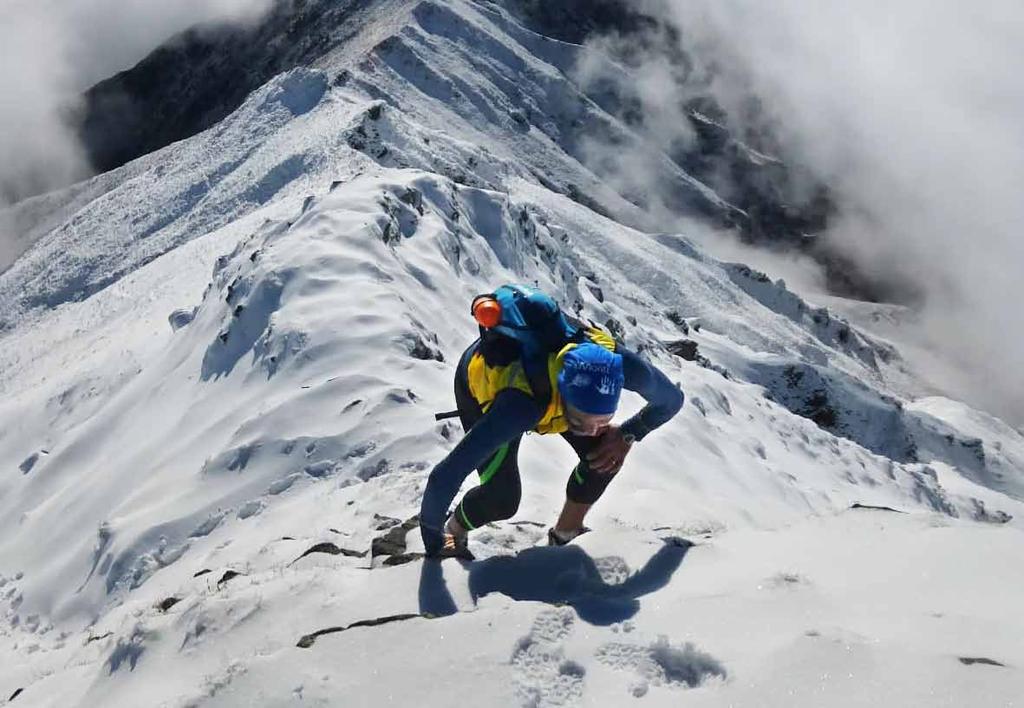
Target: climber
(531,369)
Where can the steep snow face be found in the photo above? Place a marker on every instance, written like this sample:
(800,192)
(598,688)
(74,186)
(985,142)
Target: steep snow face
(320,306)
(294,401)
(219,373)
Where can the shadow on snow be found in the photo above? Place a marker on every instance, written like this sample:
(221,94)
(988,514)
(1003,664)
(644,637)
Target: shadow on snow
(557,576)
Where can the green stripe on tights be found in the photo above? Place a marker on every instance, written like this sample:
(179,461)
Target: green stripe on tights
(465,519)
(495,463)
(576,473)
(485,476)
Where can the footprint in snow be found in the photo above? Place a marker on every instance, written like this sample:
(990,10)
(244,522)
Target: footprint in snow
(661,664)
(542,675)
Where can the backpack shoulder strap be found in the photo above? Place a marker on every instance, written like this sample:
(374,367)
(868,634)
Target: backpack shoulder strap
(536,371)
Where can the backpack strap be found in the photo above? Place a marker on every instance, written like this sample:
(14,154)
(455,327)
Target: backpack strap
(536,368)
(536,371)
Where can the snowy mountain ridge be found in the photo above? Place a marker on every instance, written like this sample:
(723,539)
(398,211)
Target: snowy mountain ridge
(206,477)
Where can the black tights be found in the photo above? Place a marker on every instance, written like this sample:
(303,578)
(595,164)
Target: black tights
(500,488)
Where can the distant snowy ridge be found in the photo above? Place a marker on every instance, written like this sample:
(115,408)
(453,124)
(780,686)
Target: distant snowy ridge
(514,100)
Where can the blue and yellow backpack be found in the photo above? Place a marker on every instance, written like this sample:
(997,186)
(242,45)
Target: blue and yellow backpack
(524,336)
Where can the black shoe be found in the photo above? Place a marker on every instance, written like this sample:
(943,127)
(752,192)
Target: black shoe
(456,547)
(555,540)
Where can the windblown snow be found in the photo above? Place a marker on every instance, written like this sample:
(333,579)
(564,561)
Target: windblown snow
(219,366)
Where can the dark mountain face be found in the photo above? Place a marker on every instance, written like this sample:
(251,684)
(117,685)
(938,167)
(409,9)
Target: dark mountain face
(576,20)
(199,77)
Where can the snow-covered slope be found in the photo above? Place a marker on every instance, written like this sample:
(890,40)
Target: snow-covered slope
(470,95)
(227,354)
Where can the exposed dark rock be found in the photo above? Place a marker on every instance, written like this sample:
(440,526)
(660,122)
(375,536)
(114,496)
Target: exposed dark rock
(575,20)
(818,409)
(204,571)
(774,197)
(815,404)
(685,348)
(841,405)
(385,522)
(181,318)
(793,376)
(414,198)
(330,549)
(757,276)
(678,320)
(421,350)
(574,193)
(393,543)
(402,558)
(16,694)
(858,505)
(168,603)
(28,463)
(969,661)
(616,329)
(374,469)
(228,575)
(308,640)
(391,234)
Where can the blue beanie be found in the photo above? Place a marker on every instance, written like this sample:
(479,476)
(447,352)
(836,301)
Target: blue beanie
(591,379)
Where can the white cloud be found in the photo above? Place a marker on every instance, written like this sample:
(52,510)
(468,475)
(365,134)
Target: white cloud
(111,35)
(50,50)
(912,112)
(36,81)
